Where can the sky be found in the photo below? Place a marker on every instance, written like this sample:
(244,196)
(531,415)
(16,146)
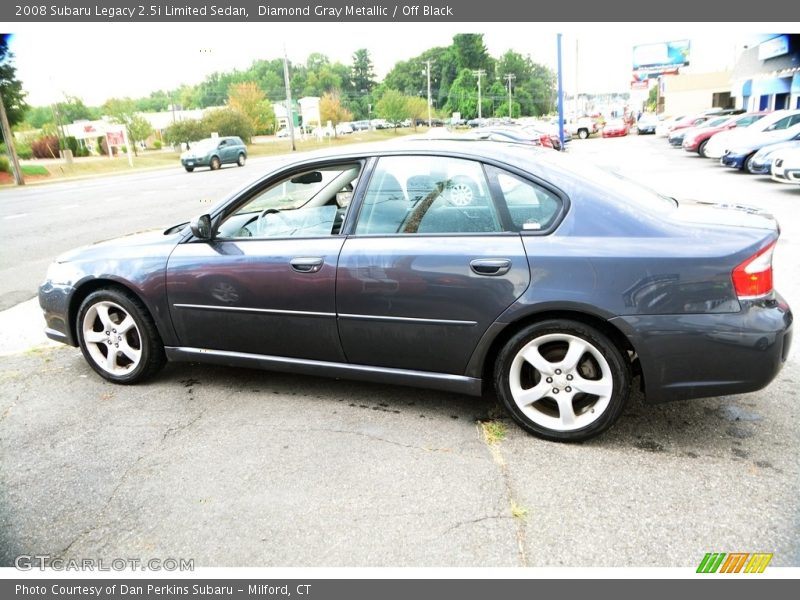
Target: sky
(96,61)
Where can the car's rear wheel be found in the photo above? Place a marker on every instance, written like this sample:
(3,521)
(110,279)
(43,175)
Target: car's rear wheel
(214,164)
(118,337)
(701,149)
(562,380)
(241,160)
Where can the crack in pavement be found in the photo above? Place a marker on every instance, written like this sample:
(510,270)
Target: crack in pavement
(101,514)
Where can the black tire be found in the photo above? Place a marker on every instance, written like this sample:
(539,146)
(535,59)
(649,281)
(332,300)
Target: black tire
(142,336)
(189,169)
(241,159)
(600,366)
(583,133)
(747,165)
(701,149)
(214,164)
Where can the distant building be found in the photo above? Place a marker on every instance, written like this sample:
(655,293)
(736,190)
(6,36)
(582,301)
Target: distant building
(767,75)
(688,93)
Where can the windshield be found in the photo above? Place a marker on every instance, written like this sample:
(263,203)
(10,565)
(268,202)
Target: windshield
(203,145)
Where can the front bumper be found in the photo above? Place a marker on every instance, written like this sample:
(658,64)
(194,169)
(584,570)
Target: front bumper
(734,161)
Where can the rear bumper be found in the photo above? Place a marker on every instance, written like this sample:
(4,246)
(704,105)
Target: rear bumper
(704,355)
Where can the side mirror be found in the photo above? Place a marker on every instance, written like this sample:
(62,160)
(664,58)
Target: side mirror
(201,227)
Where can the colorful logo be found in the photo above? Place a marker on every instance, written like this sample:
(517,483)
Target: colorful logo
(734,562)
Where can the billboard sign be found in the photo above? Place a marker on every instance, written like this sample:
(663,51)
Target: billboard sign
(777,46)
(661,57)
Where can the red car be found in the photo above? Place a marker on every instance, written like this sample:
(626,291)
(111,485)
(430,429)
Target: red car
(696,142)
(615,128)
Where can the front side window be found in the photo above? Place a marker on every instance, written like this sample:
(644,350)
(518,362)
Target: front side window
(427,195)
(307,204)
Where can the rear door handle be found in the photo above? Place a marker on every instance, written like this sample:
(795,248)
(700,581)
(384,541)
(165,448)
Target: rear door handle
(490,266)
(307,264)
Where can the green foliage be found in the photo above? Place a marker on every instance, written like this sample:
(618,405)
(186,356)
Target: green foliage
(226,121)
(248,99)
(186,131)
(157,144)
(363,72)
(139,129)
(393,107)
(10,86)
(5,164)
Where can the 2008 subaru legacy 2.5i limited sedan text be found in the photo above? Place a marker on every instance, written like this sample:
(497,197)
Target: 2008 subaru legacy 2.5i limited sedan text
(444,264)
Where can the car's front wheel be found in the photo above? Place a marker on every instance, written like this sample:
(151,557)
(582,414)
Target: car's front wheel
(701,149)
(118,337)
(583,133)
(241,160)
(562,380)
(214,164)
(189,169)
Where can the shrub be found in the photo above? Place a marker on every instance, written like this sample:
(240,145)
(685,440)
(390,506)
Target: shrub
(71,143)
(157,144)
(225,121)
(45,147)
(24,150)
(5,165)
(102,146)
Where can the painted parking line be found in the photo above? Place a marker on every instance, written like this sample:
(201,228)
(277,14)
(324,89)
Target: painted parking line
(17,216)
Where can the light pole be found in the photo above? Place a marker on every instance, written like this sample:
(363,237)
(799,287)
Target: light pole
(479,72)
(509,77)
(428,65)
(290,121)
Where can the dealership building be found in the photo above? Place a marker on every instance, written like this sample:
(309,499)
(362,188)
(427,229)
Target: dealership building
(767,75)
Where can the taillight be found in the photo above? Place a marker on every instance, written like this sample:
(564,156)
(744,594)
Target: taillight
(753,278)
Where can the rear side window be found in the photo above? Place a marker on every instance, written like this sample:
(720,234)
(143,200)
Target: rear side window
(427,195)
(530,206)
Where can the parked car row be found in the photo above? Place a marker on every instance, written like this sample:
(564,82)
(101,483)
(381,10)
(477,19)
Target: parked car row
(761,143)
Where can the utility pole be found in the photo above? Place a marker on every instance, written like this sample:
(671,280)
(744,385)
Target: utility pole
(8,136)
(430,120)
(290,116)
(479,72)
(578,112)
(509,77)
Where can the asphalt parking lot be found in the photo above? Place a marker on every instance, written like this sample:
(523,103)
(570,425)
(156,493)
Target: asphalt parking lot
(232,467)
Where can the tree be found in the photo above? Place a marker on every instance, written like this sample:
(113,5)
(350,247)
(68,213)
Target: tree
(393,107)
(10,86)
(363,73)
(417,109)
(186,132)
(73,109)
(463,97)
(139,129)
(226,121)
(331,109)
(250,100)
(470,51)
(123,111)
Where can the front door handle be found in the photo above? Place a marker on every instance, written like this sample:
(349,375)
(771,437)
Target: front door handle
(490,266)
(307,264)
